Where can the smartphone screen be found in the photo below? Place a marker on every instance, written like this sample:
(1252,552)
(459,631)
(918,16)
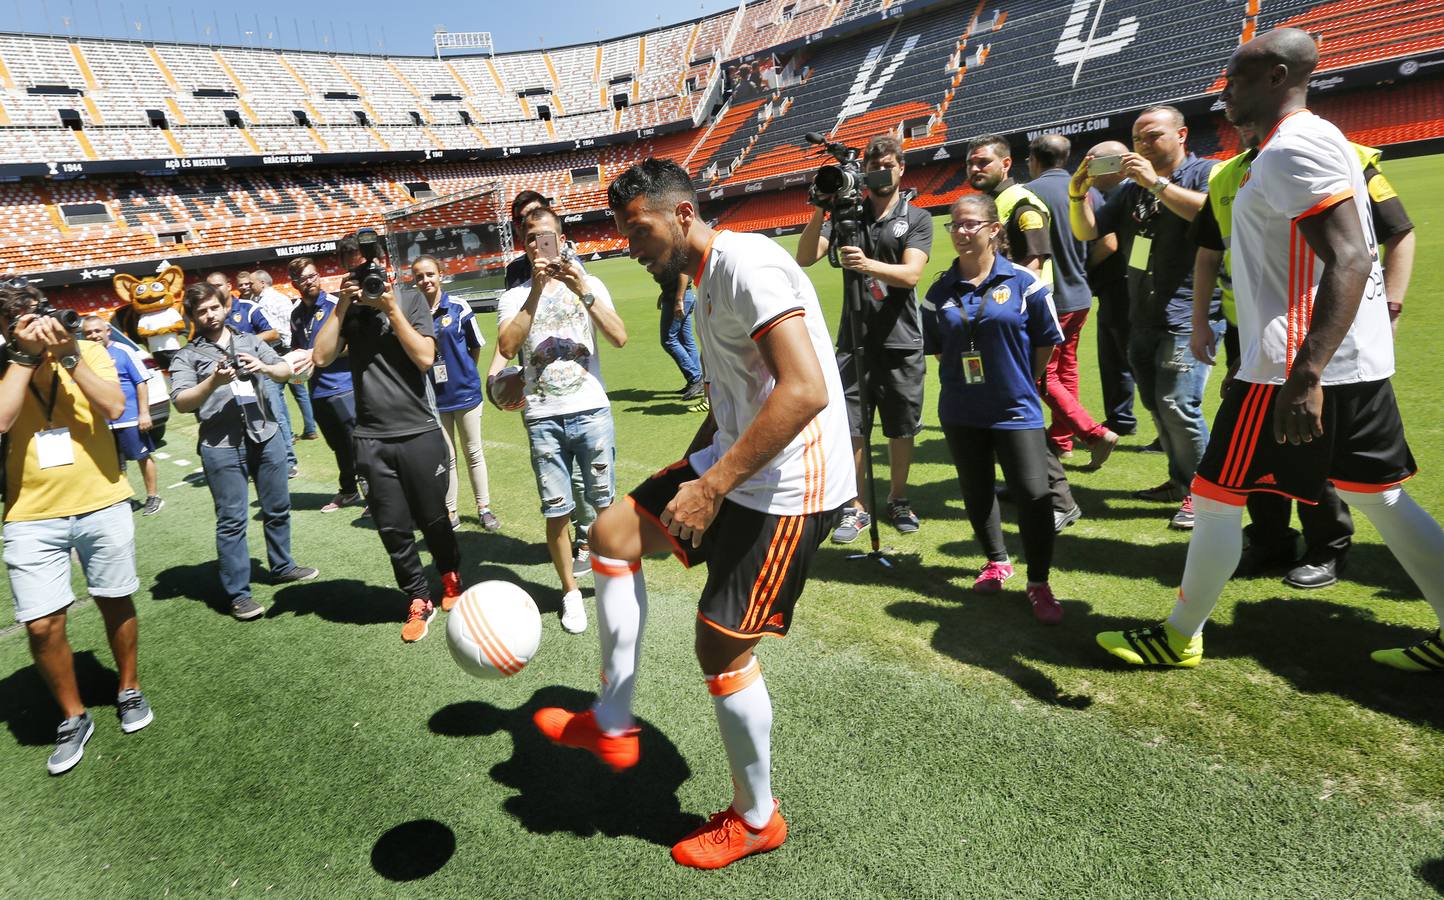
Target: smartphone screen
(546,245)
(1105,165)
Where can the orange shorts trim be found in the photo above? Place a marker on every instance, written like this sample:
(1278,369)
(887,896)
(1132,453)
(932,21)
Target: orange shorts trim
(738,634)
(606,568)
(1359,488)
(1205,488)
(677,549)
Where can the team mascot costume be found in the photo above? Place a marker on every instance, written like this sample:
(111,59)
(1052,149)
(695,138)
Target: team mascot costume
(153,314)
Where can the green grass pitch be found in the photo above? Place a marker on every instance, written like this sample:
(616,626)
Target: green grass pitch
(927,742)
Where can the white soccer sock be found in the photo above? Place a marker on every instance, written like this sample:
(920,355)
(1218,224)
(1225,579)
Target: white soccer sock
(1213,554)
(1413,536)
(744,716)
(621,615)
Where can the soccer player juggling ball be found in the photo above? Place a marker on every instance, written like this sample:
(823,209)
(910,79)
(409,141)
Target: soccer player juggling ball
(762,483)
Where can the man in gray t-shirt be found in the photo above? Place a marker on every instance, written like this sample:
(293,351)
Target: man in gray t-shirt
(218,376)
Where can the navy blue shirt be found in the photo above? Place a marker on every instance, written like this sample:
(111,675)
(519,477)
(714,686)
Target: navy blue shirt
(306,321)
(1003,318)
(246,317)
(1070,255)
(454,378)
(1155,245)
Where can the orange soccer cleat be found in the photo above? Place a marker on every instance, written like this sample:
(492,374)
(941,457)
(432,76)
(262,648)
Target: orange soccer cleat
(451,589)
(580,730)
(727,838)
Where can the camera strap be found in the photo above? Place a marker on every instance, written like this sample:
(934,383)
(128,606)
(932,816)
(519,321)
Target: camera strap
(47,405)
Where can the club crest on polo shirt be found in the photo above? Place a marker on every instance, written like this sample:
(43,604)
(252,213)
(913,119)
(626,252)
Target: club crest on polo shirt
(1001,294)
(445,321)
(319,314)
(899,228)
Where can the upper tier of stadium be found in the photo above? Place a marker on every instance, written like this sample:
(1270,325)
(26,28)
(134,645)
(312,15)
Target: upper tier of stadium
(729,94)
(964,66)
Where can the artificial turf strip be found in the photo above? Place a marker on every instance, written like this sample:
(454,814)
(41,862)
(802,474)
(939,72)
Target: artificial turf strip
(926,742)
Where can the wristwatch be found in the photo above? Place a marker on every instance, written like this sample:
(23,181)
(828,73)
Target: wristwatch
(70,361)
(1157,187)
(588,299)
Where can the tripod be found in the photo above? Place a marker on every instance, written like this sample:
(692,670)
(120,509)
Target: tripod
(855,300)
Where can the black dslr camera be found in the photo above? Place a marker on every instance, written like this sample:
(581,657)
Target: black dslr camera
(371,274)
(838,189)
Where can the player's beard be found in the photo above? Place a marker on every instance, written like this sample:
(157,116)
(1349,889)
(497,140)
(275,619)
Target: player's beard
(676,262)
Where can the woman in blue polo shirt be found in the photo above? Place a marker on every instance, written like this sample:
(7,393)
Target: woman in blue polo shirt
(457,385)
(992,326)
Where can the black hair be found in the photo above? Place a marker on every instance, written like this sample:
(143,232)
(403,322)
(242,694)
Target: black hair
(996,141)
(655,179)
(1050,150)
(523,200)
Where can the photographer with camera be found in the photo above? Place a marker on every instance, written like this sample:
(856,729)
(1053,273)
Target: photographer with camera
(64,493)
(218,376)
(400,450)
(882,252)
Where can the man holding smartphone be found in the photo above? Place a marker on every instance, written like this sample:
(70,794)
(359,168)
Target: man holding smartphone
(551,321)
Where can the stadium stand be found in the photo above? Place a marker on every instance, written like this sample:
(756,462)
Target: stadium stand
(934,72)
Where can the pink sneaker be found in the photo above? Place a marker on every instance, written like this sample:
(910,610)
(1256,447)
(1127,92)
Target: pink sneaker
(990,580)
(1046,608)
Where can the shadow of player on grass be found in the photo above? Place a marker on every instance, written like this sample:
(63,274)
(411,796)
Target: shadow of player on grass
(560,789)
(30,712)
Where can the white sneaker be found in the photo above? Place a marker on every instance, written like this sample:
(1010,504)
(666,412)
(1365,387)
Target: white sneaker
(574,613)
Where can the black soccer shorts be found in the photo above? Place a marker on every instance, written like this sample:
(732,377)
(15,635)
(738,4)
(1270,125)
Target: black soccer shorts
(756,562)
(1362,448)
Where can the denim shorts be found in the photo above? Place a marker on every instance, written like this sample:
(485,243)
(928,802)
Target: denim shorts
(556,442)
(37,559)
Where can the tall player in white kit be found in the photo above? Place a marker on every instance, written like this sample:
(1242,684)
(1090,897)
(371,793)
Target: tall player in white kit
(1312,400)
(762,483)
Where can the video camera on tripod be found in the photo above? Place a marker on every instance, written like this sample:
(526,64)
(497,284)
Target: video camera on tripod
(838,189)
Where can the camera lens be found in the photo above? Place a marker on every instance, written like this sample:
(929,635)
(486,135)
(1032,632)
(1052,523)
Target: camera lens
(831,179)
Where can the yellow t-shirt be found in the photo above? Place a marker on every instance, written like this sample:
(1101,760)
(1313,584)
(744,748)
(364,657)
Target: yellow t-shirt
(93,481)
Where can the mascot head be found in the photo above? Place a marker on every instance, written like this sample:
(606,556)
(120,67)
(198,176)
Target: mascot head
(153,292)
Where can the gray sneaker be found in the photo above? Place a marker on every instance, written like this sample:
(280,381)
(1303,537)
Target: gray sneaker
(488,520)
(1062,520)
(246,608)
(297,573)
(70,740)
(134,712)
(854,522)
(153,505)
(582,564)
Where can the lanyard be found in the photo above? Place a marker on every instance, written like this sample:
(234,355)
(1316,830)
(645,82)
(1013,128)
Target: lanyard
(54,394)
(972,321)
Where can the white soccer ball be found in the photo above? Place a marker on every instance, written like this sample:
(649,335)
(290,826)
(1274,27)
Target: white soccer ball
(301,367)
(493,630)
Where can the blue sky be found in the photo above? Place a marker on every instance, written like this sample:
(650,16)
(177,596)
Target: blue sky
(360,25)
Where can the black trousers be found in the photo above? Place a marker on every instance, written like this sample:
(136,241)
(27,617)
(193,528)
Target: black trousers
(1113,371)
(1023,456)
(1328,527)
(336,417)
(406,482)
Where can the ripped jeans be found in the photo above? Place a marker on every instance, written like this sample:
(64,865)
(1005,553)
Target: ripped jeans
(1171,385)
(586,437)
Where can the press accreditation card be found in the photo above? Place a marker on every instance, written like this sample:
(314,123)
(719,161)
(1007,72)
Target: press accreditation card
(972,367)
(438,373)
(244,390)
(53,448)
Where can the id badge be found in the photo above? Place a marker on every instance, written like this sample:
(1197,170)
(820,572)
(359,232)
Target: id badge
(243,390)
(972,367)
(438,373)
(874,287)
(1138,253)
(53,448)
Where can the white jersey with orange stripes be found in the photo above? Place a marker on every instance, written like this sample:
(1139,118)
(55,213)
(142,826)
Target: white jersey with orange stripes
(1304,167)
(746,285)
